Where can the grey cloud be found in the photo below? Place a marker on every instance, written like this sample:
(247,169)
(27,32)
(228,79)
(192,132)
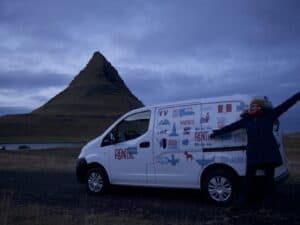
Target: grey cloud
(30,80)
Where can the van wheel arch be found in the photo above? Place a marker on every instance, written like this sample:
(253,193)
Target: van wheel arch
(224,171)
(99,166)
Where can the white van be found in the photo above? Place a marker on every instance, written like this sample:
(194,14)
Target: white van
(169,146)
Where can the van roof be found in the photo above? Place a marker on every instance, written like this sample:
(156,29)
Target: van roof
(245,98)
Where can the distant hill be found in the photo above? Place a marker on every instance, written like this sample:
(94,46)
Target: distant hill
(93,100)
(96,90)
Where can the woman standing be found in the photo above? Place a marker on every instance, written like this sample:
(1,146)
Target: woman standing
(262,149)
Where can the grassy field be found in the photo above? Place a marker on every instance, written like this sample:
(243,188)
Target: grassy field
(13,212)
(39,160)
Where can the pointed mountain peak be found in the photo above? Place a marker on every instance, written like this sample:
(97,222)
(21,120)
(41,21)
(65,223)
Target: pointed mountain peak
(98,70)
(97,54)
(96,61)
(97,90)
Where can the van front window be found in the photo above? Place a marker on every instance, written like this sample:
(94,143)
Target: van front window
(130,128)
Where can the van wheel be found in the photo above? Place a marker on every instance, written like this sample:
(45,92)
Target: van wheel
(96,181)
(220,186)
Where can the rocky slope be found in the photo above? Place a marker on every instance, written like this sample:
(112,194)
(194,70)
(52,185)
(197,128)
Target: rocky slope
(93,100)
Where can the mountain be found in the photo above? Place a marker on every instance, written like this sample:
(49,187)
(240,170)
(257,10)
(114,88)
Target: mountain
(96,90)
(95,98)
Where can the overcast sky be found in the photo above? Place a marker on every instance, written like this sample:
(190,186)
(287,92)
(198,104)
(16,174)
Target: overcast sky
(163,50)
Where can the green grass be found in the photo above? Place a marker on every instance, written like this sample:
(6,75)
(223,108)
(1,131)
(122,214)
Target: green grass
(55,159)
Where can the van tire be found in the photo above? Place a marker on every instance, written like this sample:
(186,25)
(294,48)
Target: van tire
(96,181)
(220,186)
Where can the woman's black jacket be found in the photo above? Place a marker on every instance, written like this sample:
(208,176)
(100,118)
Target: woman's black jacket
(262,148)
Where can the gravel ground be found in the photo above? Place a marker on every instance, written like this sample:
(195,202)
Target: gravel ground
(60,189)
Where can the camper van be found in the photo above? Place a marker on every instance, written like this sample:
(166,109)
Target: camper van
(170,146)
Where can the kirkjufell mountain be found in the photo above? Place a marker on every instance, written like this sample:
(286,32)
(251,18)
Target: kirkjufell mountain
(94,99)
(96,90)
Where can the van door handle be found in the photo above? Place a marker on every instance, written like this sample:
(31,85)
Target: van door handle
(145,144)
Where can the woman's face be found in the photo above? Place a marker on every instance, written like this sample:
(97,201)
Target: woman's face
(255,108)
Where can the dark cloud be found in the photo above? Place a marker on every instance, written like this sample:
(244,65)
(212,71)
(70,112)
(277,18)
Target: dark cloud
(16,80)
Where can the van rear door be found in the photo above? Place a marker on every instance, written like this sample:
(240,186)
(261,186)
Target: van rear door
(215,115)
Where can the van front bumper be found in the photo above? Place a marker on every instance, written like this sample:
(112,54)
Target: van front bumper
(81,168)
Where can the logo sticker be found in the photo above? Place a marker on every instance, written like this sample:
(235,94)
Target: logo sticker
(201,136)
(222,108)
(187,122)
(125,153)
(188,156)
(163,112)
(172,144)
(164,131)
(186,130)
(173,133)
(205,119)
(173,160)
(165,160)
(183,112)
(164,122)
(185,142)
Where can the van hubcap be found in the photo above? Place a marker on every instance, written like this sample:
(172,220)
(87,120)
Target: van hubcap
(95,182)
(219,188)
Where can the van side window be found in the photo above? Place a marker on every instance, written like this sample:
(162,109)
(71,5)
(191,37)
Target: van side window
(129,128)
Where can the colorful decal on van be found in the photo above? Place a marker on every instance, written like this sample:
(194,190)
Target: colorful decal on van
(222,108)
(185,142)
(163,112)
(201,136)
(164,131)
(127,153)
(173,160)
(188,156)
(173,133)
(187,122)
(164,122)
(186,130)
(205,119)
(172,144)
(183,112)
(165,160)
